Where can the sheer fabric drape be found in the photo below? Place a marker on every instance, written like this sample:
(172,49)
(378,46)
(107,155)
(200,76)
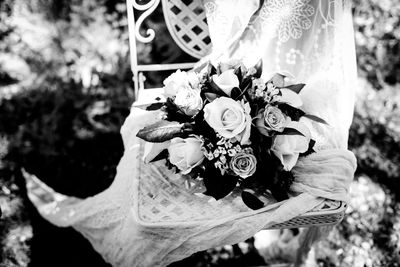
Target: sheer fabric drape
(312,40)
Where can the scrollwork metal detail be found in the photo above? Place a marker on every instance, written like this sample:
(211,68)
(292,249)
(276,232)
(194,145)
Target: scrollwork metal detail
(148,8)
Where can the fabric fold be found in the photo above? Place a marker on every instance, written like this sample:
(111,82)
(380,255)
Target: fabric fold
(108,220)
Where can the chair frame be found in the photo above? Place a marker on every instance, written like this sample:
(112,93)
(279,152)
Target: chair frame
(135,36)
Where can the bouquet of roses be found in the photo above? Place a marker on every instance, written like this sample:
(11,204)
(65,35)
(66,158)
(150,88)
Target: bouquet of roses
(228,130)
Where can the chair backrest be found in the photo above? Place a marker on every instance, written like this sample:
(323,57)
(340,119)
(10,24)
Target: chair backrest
(187,24)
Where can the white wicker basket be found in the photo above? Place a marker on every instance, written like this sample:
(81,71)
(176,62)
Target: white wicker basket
(328,213)
(163,198)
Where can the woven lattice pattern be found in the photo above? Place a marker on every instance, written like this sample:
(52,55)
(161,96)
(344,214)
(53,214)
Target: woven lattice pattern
(328,213)
(186,21)
(163,198)
(308,221)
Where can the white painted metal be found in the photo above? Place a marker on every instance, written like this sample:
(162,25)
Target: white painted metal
(186,22)
(178,15)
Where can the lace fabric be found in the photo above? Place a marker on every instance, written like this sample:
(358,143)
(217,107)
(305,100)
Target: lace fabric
(311,39)
(148,218)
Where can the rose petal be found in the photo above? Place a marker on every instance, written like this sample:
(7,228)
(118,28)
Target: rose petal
(193,151)
(300,143)
(226,81)
(186,154)
(289,161)
(245,136)
(286,73)
(301,127)
(291,98)
(189,101)
(230,64)
(278,154)
(210,96)
(151,150)
(213,113)
(288,147)
(277,80)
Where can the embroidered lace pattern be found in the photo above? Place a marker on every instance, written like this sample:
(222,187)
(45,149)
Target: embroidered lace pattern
(290,17)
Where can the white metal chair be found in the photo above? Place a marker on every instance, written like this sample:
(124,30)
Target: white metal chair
(186,22)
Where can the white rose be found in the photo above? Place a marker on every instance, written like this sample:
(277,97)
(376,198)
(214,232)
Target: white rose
(189,101)
(243,164)
(229,64)
(288,147)
(229,118)
(226,81)
(151,150)
(281,79)
(271,119)
(178,80)
(186,153)
(290,97)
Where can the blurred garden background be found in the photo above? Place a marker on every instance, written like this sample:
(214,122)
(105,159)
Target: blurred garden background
(65,89)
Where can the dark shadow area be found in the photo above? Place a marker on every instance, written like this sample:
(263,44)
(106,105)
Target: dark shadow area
(55,246)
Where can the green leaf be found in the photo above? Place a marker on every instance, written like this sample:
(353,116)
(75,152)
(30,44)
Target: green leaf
(294,113)
(174,113)
(214,88)
(161,131)
(290,131)
(296,87)
(310,149)
(251,200)
(210,96)
(218,186)
(315,118)
(239,71)
(258,67)
(245,83)
(155,106)
(281,185)
(235,93)
(211,70)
